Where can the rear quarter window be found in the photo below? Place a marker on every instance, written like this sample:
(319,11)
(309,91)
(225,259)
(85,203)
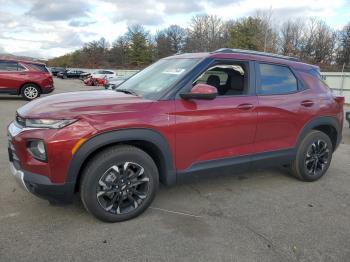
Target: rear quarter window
(39,67)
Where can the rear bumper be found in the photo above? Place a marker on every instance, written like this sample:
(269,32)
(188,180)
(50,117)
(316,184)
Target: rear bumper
(41,186)
(48,90)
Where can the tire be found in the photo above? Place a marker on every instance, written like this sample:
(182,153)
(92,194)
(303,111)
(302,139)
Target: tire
(109,193)
(313,157)
(30,92)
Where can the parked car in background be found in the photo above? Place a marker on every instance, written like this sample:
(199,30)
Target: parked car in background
(90,81)
(103,74)
(225,110)
(70,74)
(113,83)
(85,75)
(26,78)
(347,116)
(56,70)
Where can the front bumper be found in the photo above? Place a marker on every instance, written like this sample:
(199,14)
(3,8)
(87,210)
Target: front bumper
(37,184)
(19,176)
(41,186)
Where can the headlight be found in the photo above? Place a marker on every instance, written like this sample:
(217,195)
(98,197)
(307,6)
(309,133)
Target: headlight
(48,123)
(37,149)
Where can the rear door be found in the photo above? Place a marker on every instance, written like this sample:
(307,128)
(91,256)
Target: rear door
(219,129)
(283,107)
(12,76)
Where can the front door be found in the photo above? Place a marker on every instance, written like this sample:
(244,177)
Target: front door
(219,129)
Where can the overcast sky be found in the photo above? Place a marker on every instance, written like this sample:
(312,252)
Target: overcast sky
(44,28)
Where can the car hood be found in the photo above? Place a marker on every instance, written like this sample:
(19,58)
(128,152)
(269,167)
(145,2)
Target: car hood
(77,104)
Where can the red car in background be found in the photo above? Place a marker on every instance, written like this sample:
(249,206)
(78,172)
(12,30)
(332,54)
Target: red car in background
(91,81)
(26,78)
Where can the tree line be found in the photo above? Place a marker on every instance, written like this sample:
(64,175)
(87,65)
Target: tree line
(312,41)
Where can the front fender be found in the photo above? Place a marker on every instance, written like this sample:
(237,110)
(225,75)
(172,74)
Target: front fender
(123,135)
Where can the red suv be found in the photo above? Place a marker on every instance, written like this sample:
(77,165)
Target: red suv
(26,78)
(184,114)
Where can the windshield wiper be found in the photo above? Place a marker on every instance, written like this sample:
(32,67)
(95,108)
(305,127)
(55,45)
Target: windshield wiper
(127,91)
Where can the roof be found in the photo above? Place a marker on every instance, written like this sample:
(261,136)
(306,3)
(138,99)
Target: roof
(248,55)
(22,61)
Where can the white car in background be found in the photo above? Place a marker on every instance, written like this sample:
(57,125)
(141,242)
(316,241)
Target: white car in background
(104,74)
(113,83)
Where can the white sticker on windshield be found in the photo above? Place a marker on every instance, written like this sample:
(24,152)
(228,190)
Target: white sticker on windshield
(174,71)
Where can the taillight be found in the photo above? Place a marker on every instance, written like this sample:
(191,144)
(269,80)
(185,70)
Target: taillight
(340,100)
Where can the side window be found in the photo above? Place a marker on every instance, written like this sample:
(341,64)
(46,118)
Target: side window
(8,66)
(228,79)
(276,80)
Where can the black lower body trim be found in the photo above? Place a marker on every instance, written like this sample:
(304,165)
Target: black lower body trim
(42,187)
(240,164)
(9,91)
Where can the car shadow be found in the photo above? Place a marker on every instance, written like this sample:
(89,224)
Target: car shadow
(12,98)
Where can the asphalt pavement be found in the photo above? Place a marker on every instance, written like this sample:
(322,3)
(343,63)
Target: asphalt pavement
(262,215)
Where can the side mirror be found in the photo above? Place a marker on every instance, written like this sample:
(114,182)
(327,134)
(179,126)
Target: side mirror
(201,91)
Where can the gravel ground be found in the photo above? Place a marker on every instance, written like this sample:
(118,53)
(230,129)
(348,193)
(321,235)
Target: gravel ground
(263,215)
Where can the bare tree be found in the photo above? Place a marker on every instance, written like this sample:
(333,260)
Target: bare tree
(163,45)
(177,38)
(290,37)
(206,33)
(318,43)
(267,34)
(343,50)
(119,53)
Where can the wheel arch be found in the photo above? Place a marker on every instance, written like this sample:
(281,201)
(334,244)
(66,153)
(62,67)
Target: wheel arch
(27,83)
(150,141)
(326,124)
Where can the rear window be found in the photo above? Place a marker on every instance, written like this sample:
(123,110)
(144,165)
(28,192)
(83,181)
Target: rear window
(276,80)
(40,67)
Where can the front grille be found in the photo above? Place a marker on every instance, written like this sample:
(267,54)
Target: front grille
(20,120)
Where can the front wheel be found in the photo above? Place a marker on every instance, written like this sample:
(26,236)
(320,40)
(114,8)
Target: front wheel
(119,183)
(313,156)
(30,92)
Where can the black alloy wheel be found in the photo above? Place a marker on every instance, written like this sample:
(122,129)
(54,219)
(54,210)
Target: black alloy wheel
(122,188)
(317,157)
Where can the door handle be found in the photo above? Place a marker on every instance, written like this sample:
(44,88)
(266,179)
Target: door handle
(307,103)
(245,106)
(22,73)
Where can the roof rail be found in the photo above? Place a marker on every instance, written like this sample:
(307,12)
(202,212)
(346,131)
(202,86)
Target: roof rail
(251,52)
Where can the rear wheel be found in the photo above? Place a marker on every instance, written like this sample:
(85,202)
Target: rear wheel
(313,157)
(119,183)
(30,91)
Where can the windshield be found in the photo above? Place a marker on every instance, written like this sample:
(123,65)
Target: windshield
(156,79)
